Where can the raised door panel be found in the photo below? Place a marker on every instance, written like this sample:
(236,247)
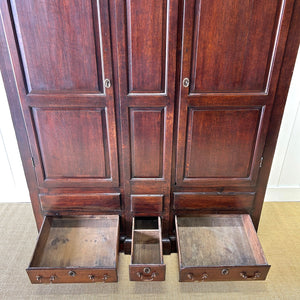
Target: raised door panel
(233,43)
(147,137)
(220,143)
(73,144)
(57,51)
(65,55)
(147,43)
(229,71)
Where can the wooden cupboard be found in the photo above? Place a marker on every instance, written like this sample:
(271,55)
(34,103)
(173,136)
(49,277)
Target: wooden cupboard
(142,109)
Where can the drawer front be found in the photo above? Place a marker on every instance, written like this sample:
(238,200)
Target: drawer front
(146,203)
(191,201)
(73,275)
(79,203)
(224,273)
(147,272)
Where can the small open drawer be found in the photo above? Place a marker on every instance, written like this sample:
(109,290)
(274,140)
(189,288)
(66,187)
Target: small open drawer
(76,249)
(146,250)
(219,247)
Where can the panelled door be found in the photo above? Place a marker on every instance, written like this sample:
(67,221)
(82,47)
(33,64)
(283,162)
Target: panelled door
(230,61)
(147,62)
(67,98)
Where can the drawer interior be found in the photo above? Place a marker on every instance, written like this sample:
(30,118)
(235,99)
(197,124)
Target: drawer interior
(228,242)
(146,247)
(146,250)
(77,243)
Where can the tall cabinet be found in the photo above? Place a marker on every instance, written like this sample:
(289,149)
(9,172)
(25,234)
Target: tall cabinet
(142,108)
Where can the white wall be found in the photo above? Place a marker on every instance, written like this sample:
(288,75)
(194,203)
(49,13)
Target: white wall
(13,186)
(284,182)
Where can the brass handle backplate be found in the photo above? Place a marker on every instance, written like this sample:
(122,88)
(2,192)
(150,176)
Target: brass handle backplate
(191,276)
(256,275)
(146,277)
(92,277)
(40,278)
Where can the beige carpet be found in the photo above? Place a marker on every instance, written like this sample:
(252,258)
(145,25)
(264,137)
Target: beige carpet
(279,233)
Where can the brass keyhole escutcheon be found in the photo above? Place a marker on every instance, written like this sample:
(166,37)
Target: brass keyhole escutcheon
(72,273)
(186,82)
(107,83)
(225,272)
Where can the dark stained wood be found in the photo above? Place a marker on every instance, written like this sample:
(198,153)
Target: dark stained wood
(147,204)
(65,143)
(227,245)
(89,203)
(232,44)
(146,81)
(228,149)
(224,201)
(72,145)
(146,34)
(286,72)
(83,245)
(146,251)
(58,53)
(72,132)
(147,137)
(201,162)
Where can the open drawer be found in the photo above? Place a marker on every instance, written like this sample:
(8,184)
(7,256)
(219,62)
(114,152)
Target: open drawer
(76,249)
(146,250)
(219,247)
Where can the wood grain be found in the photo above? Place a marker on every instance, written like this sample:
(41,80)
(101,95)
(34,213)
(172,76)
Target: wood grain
(73,132)
(221,143)
(200,201)
(58,53)
(219,247)
(232,45)
(148,203)
(66,146)
(147,142)
(80,203)
(78,242)
(146,250)
(147,21)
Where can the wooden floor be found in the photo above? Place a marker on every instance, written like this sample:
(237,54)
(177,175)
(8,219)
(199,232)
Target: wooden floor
(279,233)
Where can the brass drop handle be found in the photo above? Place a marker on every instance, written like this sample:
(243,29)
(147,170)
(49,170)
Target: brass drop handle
(191,276)
(146,278)
(51,278)
(92,277)
(256,275)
